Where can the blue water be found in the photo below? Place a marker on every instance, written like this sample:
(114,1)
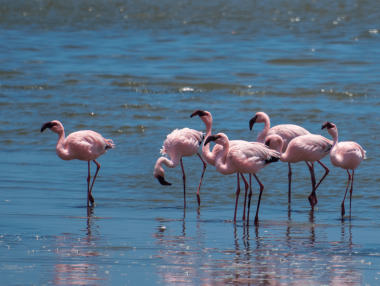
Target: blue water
(134,72)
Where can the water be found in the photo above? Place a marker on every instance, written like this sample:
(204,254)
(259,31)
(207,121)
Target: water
(134,71)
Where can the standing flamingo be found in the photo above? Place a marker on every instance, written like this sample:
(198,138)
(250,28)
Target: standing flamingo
(308,148)
(85,145)
(287,132)
(346,155)
(180,143)
(210,156)
(243,158)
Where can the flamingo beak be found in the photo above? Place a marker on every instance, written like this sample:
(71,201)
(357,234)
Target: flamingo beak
(211,138)
(267,143)
(162,181)
(327,125)
(47,125)
(198,112)
(252,121)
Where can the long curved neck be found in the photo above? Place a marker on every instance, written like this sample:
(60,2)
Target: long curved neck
(207,154)
(60,148)
(168,163)
(221,160)
(334,134)
(262,134)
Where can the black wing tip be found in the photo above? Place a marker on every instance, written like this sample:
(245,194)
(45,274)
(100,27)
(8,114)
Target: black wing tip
(271,160)
(162,181)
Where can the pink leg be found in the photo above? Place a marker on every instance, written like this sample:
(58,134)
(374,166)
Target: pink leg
(348,184)
(326,173)
(88,185)
(237,195)
(290,183)
(246,192)
(249,197)
(312,197)
(184,185)
(258,203)
(200,183)
(352,186)
(97,170)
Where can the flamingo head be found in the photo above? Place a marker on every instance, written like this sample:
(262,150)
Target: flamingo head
(328,125)
(159,173)
(260,117)
(274,142)
(219,138)
(204,115)
(54,126)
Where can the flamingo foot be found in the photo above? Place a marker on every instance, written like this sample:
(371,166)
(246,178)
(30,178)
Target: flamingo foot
(310,198)
(256,220)
(342,210)
(92,201)
(199,200)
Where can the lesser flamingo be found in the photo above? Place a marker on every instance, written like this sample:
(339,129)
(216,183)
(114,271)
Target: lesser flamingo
(308,148)
(287,132)
(85,145)
(180,143)
(346,155)
(210,156)
(243,158)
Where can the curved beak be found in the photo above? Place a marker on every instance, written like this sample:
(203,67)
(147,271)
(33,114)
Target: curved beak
(162,181)
(211,138)
(252,121)
(267,143)
(198,112)
(327,125)
(47,125)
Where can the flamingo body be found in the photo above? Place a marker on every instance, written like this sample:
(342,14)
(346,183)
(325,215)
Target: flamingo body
(287,132)
(85,145)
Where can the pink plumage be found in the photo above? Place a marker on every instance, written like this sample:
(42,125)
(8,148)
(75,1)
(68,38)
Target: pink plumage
(287,132)
(85,145)
(180,143)
(308,148)
(346,155)
(243,158)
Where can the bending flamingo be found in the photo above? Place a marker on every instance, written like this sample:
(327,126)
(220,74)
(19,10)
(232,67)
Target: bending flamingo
(85,145)
(243,158)
(180,143)
(210,156)
(346,155)
(308,148)
(287,132)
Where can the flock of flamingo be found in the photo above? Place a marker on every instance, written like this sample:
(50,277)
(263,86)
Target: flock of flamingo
(286,142)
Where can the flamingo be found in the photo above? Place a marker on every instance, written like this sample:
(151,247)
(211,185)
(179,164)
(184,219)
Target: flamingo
(243,158)
(210,156)
(346,155)
(308,148)
(85,145)
(287,132)
(180,143)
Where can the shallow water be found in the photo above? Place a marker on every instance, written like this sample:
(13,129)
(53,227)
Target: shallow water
(134,71)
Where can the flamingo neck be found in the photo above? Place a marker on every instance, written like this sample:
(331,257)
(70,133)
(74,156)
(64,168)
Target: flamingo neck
(334,133)
(262,134)
(60,148)
(168,163)
(207,154)
(221,160)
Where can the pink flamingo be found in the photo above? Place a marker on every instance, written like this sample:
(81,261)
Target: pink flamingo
(308,148)
(287,132)
(243,158)
(180,143)
(210,156)
(346,155)
(85,145)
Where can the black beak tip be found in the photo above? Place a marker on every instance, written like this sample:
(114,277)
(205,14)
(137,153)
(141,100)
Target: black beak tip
(162,181)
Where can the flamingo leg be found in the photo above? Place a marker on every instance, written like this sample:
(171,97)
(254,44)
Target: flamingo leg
(290,182)
(246,192)
(348,184)
(326,173)
(237,195)
(352,186)
(88,185)
(184,185)
(200,183)
(249,197)
(90,194)
(312,197)
(258,203)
